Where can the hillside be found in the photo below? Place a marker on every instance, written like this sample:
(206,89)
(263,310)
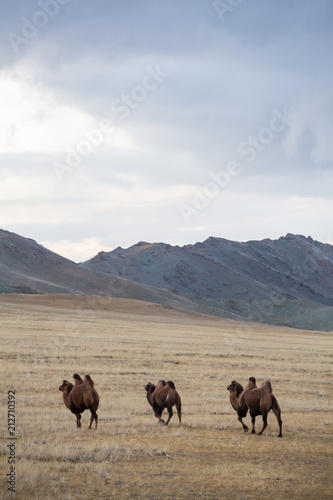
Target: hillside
(288,281)
(29,268)
(292,267)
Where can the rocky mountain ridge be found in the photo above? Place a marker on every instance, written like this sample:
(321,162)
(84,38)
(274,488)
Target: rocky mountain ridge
(288,281)
(292,267)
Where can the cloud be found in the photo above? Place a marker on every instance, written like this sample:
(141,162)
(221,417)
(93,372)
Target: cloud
(31,119)
(311,133)
(78,251)
(92,153)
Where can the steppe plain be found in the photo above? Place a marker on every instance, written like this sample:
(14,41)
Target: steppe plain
(123,344)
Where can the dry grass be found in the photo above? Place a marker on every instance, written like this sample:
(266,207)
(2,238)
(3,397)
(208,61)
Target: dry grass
(125,344)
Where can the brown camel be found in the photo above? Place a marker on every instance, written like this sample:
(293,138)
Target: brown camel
(80,397)
(162,396)
(259,401)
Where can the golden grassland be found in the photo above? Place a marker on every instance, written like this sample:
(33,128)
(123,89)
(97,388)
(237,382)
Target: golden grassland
(125,344)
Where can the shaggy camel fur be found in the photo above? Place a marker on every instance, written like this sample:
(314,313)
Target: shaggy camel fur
(235,390)
(152,390)
(80,397)
(259,401)
(66,388)
(162,396)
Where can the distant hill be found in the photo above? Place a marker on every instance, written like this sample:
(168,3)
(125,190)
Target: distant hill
(292,267)
(28,267)
(253,280)
(288,281)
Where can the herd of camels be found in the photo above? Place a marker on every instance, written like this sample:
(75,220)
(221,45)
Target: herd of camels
(82,396)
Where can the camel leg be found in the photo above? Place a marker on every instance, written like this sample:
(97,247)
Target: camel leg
(253,420)
(245,427)
(241,413)
(264,419)
(179,412)
(78,420)
(92,418)
(277,412)
(170,415)
(158,414)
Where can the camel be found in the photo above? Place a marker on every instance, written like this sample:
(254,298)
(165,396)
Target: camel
(162,396)
(259,401)
(80,397)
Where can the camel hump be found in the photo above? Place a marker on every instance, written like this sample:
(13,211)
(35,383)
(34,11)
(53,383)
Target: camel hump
(77,379)
(160,385)
(253,380)
(171,384)
(268,385)
(87,378)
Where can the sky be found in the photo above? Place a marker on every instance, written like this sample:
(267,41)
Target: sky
(165,121)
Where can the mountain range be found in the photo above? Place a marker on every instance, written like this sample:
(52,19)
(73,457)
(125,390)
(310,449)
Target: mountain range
(288,281)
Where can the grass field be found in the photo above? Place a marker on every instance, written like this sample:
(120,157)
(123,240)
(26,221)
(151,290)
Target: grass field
(125,344)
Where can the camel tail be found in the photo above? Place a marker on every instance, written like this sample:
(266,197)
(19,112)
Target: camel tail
(275,405)
(96,399)
(277,412)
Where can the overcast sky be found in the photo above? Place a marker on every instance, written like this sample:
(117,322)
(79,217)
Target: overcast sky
(165,121)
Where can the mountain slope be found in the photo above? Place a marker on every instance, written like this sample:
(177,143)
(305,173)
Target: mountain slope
(292,267)
(288,281)
(27,267)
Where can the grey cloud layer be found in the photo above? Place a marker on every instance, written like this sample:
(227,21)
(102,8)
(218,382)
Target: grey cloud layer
(224,80)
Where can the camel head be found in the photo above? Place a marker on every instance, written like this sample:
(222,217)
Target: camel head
(235,387)
(66,386)
(150,388)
